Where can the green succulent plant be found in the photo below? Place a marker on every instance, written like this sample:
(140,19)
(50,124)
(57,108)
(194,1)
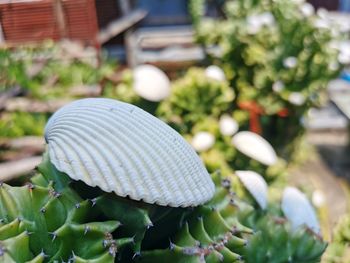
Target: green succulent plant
(276,54)
(194,98)
(274,241)
(339,249)
(55,218)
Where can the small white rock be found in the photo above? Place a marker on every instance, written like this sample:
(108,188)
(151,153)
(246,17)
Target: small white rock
(278,86)
(256,21)
(255,147)
(296,98)
(151,83)
(318,198)
(214,72)
(228,125)
(298,210)
(203,141)
(307,9)
(256,186)
(290,62)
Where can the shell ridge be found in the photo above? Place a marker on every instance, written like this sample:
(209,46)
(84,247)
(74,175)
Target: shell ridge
(133,142)
(174,140)
(124,150)
(159,159)
(83,156)
(125,162)
(62,162)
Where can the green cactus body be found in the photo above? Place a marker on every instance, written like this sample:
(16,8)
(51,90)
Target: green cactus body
(210,233)
(46,221)
(275,242)
(56,219)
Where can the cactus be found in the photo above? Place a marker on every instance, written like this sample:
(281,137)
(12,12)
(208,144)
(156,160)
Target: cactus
(194,98)
(84,215)
(54,218)
(339,249)
(274,241)
(209,233)
(47,220)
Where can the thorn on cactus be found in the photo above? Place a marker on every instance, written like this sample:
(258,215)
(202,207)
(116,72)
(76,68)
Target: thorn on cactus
(137,254)
(93,202)
(86,230)
(226,183)
(172,245)
(30,186)
(54,235)
(42,253)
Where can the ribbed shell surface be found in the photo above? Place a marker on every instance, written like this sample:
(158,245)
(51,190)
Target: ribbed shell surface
(123,149)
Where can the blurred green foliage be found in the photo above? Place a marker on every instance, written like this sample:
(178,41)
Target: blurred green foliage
(275,53)
(195,98)
(47,72)
(339,249)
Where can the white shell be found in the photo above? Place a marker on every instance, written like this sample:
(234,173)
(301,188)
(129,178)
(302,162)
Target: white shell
(228,125)
(256,186)
(214,72)
(255,147)
(151,83)
(121,148)
(203,141)
(298,210)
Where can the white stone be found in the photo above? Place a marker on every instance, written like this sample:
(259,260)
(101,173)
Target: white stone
(318,198)
(307,9)
(228,125)
(151,83)
(278,86)
(296,98)
(203,141)
(255,147)
(214,72)
(290,62)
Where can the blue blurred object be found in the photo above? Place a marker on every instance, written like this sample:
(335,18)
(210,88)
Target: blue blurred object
(344,5)
(345,75)
(164,12)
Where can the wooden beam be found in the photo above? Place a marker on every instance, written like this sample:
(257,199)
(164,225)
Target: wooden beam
(2,36)
(36,142)
(120,25)
(11,170)
(28,105)
(59,13)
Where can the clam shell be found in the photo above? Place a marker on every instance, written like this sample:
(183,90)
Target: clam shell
(214,72)
(151,83)
(256,186)
(203,141)
(228,125)
(298,210)
(255,147)
(121,148)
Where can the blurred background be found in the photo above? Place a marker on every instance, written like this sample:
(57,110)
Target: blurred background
(277,68)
